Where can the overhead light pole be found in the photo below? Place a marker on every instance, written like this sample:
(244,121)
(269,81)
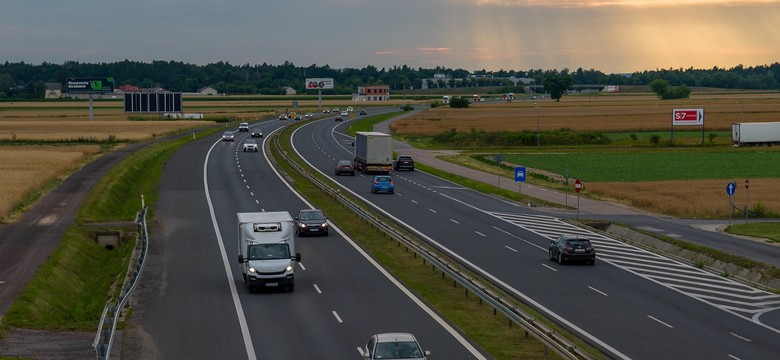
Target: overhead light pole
(742,110)
(537,124)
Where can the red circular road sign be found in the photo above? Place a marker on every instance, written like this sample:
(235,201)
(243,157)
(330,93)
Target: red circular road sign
(577,185)
(747,184)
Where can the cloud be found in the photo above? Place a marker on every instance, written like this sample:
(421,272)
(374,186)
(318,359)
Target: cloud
(619,3)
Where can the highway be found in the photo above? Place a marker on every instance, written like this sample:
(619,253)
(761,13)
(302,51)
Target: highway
(192,304)
(632,304)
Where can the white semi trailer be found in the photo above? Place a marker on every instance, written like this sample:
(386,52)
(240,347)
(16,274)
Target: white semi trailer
(373,152)
(266,250)
(755,133)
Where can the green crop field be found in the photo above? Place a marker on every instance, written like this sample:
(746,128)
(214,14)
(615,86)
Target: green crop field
(656,165)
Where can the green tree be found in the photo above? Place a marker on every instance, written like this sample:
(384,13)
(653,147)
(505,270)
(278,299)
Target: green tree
(659,87)
(556,84)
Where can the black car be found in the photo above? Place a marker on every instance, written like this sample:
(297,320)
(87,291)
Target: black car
(572,248)
(345,167)
(363,112)
(310,222)
(403,162)
(257,134)
(339,118)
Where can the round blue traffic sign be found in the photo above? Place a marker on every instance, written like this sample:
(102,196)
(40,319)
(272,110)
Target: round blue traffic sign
(731,188)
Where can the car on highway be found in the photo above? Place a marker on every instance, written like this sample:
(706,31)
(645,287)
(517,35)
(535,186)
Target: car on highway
(363,112)
(309,115)
(325,111)
(568,248)
(350,109)
(403,162)
(311,222)
(282,116)
(228,136)
(345,167)
(339,118)
(250,145)
(257,134)
(382,183)
(335,110)
(243,127)
(394,346)
(344,113)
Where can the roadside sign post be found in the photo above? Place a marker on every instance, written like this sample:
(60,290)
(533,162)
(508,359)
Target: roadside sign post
(747,199)
(519,179)
(730,189)
(499,159)
(566,185)
(577,188)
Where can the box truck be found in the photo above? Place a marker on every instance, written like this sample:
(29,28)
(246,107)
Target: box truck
(266,250)
(373,152)
(763,133)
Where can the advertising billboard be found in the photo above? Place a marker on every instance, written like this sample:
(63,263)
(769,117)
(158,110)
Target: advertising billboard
(90,85)
(687,117)
(319,83)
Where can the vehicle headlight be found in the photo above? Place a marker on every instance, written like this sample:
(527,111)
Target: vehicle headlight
(288,268)
(251,269)
(303,225)
(324,224)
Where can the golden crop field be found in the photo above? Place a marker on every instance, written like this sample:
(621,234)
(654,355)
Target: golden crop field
(606,113)
(26,169)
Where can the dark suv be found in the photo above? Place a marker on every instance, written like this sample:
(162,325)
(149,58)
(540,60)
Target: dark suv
(403,162)
(572,248)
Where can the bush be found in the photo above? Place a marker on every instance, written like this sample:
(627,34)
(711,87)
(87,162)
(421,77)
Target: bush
(655,139)
(459,102)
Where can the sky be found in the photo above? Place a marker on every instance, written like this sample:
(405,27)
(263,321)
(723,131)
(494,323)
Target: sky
(612,36)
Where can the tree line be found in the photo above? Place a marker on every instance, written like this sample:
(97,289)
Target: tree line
(27,81)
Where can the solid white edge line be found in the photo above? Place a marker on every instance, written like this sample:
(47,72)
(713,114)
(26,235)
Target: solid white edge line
(248,345)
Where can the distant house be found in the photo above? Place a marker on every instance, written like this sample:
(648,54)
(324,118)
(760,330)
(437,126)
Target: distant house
(129,88)
(53,91)
(207,90)
(289,91)
(372,93)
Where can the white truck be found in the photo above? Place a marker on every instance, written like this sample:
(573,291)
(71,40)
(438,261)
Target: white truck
(373,152)
(266,250)
(757,133)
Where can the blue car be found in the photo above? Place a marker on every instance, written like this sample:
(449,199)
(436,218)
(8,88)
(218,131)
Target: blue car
(382,183)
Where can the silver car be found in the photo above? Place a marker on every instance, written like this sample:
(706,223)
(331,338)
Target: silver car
(250,145)
(394,346)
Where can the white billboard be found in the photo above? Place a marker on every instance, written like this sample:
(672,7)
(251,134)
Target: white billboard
(319,83)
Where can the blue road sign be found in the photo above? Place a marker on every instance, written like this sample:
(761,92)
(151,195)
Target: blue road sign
(520,174)
(731,188)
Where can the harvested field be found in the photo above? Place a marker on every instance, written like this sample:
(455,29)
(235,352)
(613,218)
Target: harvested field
(605,113)
(68,130)
(27,169)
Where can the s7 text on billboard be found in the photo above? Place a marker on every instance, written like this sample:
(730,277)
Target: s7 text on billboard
(319,83)
(681,117)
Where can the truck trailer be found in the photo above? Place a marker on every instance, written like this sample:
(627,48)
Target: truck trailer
(755,134)
(373,152)
(266,250)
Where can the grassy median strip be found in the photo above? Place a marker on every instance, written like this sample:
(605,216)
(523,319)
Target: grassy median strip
(70,289)
(490,331)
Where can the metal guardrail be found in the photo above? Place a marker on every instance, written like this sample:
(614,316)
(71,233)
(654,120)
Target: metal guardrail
(105,333)
(543,333)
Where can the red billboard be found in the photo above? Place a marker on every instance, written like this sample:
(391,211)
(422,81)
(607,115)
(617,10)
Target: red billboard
(687,117)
